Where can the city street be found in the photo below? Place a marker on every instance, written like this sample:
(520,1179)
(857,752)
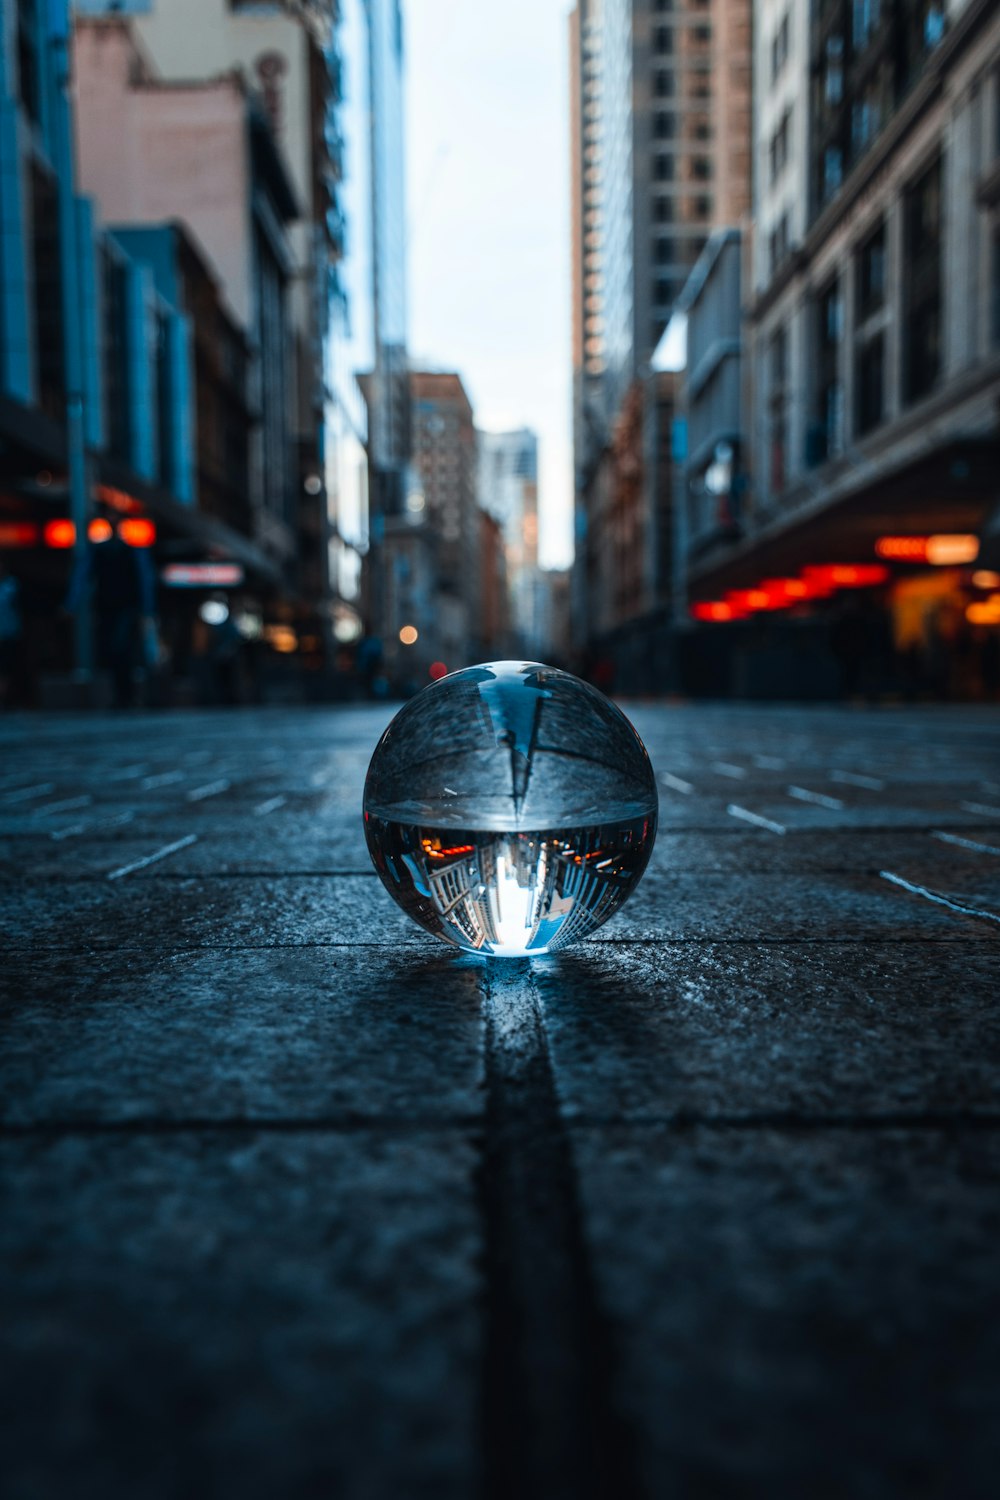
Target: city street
(295,1201)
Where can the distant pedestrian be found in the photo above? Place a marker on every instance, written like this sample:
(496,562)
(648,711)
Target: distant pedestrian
(11,633)
(124,590)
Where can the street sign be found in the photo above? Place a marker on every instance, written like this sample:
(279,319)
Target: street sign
(202,575)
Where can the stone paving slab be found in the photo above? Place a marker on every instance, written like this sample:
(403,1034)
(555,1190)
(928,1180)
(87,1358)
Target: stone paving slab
(827,1030)
(229,1313)
(319,1034)
(801,1313)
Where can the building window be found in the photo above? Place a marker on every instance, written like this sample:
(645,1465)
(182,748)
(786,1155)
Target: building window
(833,70)
(922,284)
(865,16)
(871,275)
(777,410)
(833,172)
(663,85)
(827,433)
(663,168)
(28,58)
(701,168)
(869,380)
(663,210)
(664,123)
(779,243)
(663,39)
(779,47)
(778,150)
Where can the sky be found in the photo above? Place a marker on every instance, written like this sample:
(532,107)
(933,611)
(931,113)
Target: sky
(488,206)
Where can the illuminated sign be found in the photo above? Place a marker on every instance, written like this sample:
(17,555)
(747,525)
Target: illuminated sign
(18,534)
(202,575)
(944,550)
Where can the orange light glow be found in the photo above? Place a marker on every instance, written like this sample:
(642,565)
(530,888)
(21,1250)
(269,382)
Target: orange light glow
(409,635)
(59,534)
(952,551)
(18,534)
(985,578)
(100,530)
(943,550)
(437,670)
(137,531)
(788,590)
(458,849)
(281,638)
(984,612)
(119,500)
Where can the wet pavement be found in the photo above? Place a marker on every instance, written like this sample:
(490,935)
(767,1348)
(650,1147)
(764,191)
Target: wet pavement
(294,1202)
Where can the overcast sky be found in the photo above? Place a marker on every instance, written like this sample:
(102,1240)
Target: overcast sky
(488,187)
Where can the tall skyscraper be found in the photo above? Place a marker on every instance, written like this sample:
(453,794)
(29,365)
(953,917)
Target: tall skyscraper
(444,444)
(508,491)
(660,116)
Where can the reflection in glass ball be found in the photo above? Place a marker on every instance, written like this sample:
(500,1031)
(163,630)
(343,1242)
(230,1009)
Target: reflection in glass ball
(510,809)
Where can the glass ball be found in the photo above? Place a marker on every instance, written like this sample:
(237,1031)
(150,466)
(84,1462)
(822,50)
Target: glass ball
(510,809)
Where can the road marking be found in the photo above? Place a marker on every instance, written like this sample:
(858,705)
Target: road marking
(725,768)
(210,789)
(921,890)
(736,811)
(981,807)
(115,822)
(769,762)
(675,783)
(851,778)
(271,805)
(66,805)
(816,798)
(128,773)
(166,778)
(28,793)
(140,864)
(953,838)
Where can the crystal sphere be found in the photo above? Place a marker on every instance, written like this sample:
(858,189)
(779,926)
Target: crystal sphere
(510,808)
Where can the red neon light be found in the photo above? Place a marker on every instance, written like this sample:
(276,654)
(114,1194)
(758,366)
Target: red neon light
(137,531)
(437,670)
(100,530)
(904,548)
(18,534)
(59,534)
(846,575)
(714,609)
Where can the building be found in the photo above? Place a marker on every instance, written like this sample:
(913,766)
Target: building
(445,458)
(660,112)
(143,151)
(508,491)
(874,330)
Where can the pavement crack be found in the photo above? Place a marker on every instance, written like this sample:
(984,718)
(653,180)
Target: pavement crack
(551,1428)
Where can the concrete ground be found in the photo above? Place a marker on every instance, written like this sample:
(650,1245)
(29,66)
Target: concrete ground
(294,1202)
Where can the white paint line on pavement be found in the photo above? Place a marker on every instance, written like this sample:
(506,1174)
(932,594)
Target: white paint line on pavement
(735,811)
(210,789)
(801,794)
(953,838)
(26,794)
(981,807)
(726,768)
(271,805)
(851,778)
(675,783)
(75,828)
(769,762)
(140,864)
(165,778)
(67,804)
(921,890)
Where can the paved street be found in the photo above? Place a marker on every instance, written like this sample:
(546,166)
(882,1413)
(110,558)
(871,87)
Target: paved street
(294,1202)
